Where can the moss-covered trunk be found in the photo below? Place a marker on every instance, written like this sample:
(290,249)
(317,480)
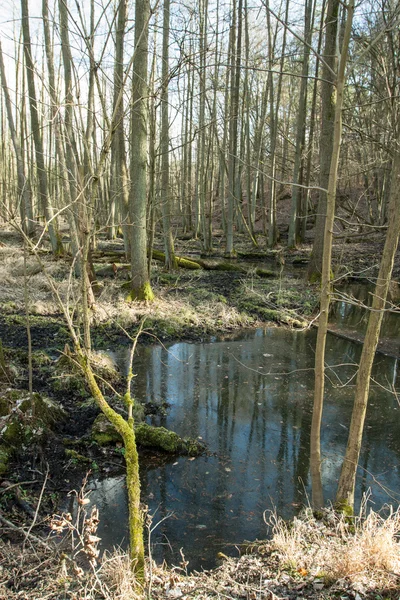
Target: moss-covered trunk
(125,429)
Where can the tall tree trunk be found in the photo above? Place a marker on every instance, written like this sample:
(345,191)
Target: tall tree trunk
(170,260)
(347,481)
(233,125)
(141,288)
(44,199)
(327,131)
(70,149)
(120,186)
(24,190)
(315,441)
(301,130)
(310,145)
(274,109)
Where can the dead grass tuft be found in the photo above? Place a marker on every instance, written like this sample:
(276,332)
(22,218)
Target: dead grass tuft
(364,551)
(117,576)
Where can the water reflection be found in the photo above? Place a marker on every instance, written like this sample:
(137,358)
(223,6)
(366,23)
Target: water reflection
(250,400)
(352,317)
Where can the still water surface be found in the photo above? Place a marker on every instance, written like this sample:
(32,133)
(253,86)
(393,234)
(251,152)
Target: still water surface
(250,400)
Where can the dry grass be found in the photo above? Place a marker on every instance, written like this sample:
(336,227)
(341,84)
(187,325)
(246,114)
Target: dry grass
(174,310)
(305,558)
(362,551)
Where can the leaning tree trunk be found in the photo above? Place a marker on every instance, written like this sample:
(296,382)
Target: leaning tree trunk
(315,441)
(346,487)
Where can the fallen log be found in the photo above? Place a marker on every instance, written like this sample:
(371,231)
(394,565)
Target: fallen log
(194,264)
(199,263)
(147,436)
(185,263)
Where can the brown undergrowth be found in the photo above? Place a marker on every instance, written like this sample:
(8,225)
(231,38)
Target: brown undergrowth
(326,558)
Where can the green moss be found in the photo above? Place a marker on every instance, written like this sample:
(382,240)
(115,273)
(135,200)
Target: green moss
(314,277)
(40,359)
(23,423)
(343,507)
(5,454)
(185,263)
(13,433)
(76,457)
(104,433)
(169,441)
(143,293)
(158,437)
(5,406)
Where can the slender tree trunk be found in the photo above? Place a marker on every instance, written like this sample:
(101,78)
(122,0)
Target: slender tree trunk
(141,288)
(45,203)
(315,443)
(327,129)
(170,260)
(301,129)
(233,126)
(347,481)
(24,190)
(274,109)
(310,145)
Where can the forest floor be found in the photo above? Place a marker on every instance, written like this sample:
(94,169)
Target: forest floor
(326,558)
(192,305)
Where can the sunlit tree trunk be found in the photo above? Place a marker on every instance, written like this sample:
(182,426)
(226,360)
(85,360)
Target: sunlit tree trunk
(310,145)
(347,481)
(141,288)
(294,227)
(233,126)
(274,110)
(45,203)
(315,441)
(327,131)
(120,186)
(170,260)
(24,191)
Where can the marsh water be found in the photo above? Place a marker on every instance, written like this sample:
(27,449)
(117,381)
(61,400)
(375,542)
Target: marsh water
(249,398)
(347,314)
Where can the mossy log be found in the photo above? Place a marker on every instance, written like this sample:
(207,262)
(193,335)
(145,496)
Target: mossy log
(185,263)
(147,436)
(168,441)
(198,263)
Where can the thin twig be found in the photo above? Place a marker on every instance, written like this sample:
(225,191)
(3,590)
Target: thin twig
(38,505)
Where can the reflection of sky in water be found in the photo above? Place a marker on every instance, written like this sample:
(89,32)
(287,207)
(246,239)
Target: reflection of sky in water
(250,400)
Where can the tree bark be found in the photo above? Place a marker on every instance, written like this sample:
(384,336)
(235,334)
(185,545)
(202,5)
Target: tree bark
(170,261)
(24,189)
(327,132)
(141,288)
(315,441)
(346,487)
(301,130)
